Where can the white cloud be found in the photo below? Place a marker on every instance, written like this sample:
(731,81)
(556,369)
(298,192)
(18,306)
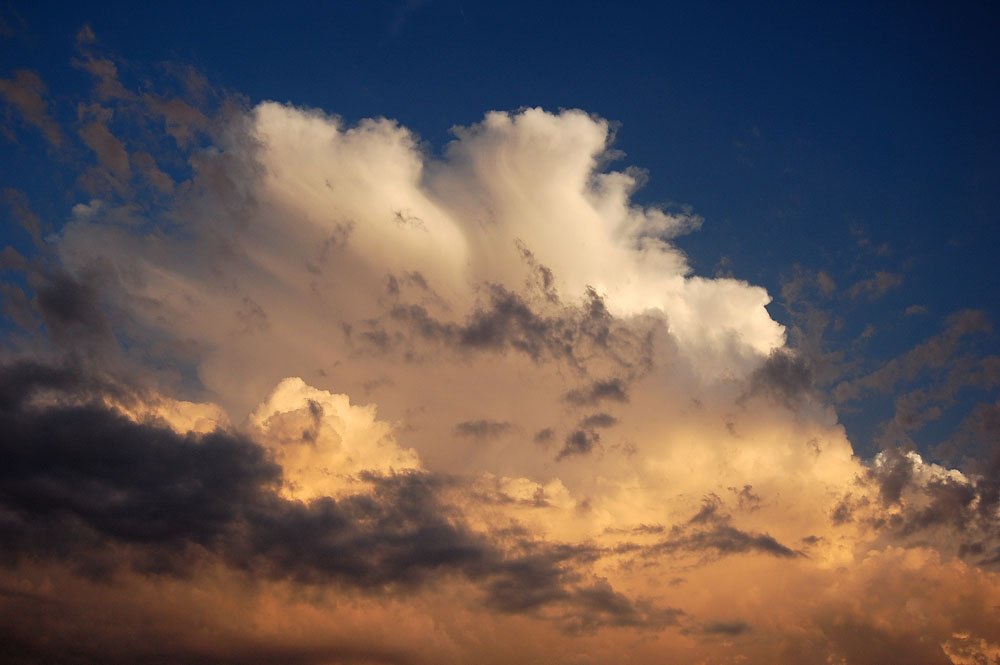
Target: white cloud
(323,442)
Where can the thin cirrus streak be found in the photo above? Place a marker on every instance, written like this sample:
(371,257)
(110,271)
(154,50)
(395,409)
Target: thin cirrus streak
(308,393)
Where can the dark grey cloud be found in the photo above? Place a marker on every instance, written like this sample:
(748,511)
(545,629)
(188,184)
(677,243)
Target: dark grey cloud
(510,321)
(598,420)
(964,507)
(709,532)
(22,380)
(482,429)
(970,549)
(992,561)
(599,605)
(532,581)
(725,540)
(951,503)
(397,535)
(79,478)
(543,278)
(746,497)
(83,476)
(709,512)
(541,330)
(71,307)
(84,485)
(579,442)
(527,584)
(613,390)
(843,512)
(494,493)
(860,643)
(727,628)
(784,376)
(544,436)
(892,476)
(582,439)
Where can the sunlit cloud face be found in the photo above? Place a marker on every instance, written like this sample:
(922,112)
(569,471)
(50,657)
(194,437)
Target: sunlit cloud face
(313,391)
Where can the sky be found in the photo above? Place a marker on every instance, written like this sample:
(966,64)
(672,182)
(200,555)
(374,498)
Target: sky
(471,332)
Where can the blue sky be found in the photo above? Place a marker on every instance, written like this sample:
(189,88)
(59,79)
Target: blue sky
(850,139)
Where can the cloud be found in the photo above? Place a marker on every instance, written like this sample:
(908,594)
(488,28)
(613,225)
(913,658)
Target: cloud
(71,307)
(323,442)
(481,429)
(507,321)
(927,380)
(598,420)
(21,211)
(722,540)
(919,501)
(614,390)
(87,485)
(579,442)
(784,376)
(24,93)
(309,391)
(111,152)
(600,605)
(931,354)
(877,286)
(79,476)
(729,628)
(152,173)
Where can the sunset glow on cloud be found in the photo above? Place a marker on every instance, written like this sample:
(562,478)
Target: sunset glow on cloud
(281,387)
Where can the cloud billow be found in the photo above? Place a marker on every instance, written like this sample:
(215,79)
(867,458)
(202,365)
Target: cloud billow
(379,402)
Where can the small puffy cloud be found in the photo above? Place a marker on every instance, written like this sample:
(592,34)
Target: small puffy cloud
(24,94)
(111,153)
(876,286)
(324,443)
(826,283)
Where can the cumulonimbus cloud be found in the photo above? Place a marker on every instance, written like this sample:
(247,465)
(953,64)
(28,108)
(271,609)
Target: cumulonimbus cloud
(324,371)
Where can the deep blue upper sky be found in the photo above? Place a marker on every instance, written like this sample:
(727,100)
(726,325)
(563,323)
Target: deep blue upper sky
(795,131)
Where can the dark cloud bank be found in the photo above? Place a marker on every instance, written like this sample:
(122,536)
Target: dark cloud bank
(86,486)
